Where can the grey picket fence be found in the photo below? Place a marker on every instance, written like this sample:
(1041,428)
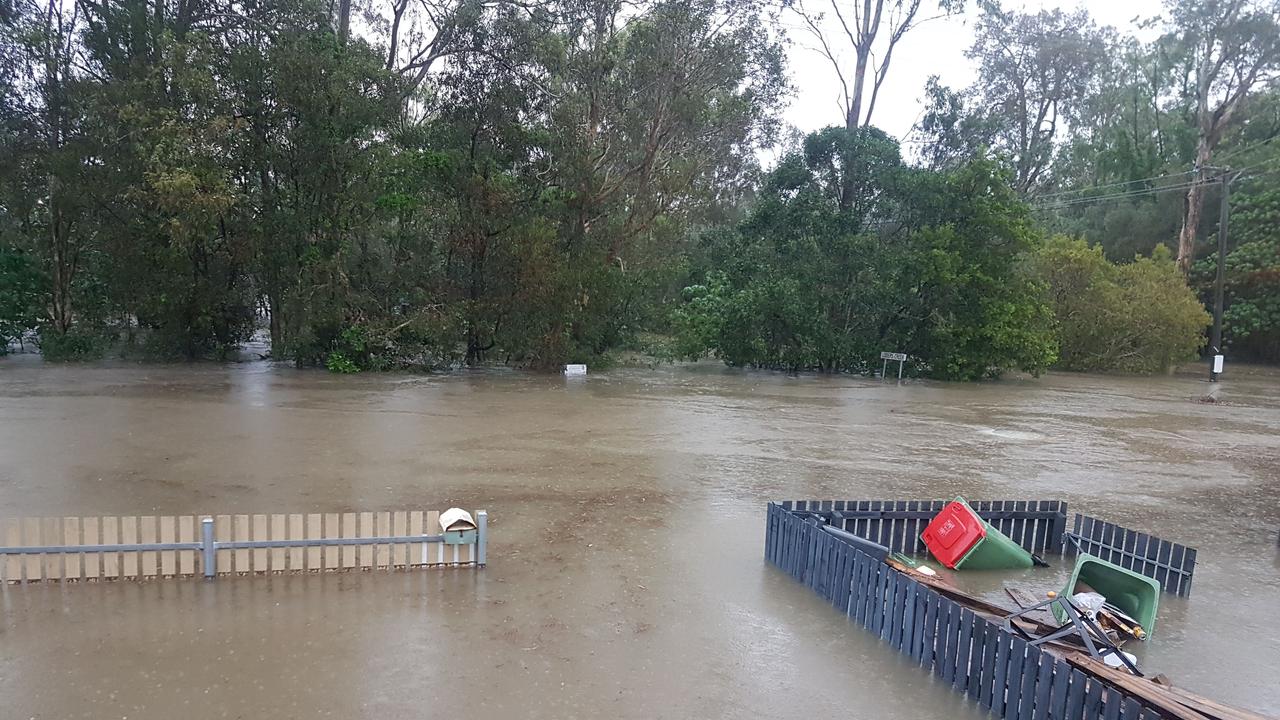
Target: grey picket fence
(1171,564)
(976,657)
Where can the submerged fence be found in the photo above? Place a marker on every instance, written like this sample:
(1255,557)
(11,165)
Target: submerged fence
(1171,564)
(109,548)
(1039,526)
(993,667)
(1036,525)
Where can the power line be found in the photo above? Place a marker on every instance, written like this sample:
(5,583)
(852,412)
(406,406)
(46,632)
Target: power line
(1116,184)
(1235,153)
(1257,165)
(1115,196)
(1240,151)
(1149,191)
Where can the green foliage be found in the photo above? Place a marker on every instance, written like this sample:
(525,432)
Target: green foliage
(22,288)
(77,344)
(1251,320)
(928,265)
(1139,317)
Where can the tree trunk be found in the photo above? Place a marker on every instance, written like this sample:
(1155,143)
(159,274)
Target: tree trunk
(1193,207)
(853,118)
(344,21)
(277,327)
(852,121)
(63,265)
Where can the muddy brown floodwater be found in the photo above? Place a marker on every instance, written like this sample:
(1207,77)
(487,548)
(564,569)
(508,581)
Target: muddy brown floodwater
(625,576)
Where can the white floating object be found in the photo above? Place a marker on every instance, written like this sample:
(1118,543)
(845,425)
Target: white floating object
(1114,662)
(456,519)
(575,369)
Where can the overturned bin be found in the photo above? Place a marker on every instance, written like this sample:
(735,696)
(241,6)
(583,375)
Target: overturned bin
(958,538)
(1135,595)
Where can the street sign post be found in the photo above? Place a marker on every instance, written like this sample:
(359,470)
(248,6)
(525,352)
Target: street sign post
(885,357)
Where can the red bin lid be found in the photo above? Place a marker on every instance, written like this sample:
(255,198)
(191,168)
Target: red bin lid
(953,532)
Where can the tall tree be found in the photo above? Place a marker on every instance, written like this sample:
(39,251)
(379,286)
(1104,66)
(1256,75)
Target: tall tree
(871,30)
(1035,74)
(1233,47)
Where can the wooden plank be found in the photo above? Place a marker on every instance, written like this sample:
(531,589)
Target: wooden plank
(332,529)
(875,610)
(187,533)
(1209,707)
(911,590)
(893,609)
(417,553)
(51,531)
(1075,696)
(382,528)
(1111,705)
(1057,706)
(92,562)
(12,566)
(315,529)
(929,631)
(129,561)
(148,560)
(1000,676)
(260,529)
(297,531)
(949,648)
(1044,686)
(349,530)
(973,681)
(31,536)
(242,529)
(960,675)
(279,531)
(1132,709)
(984,647)
(1014,677)
(1093,699)
(858,588)
(1157,696)
(431,526)
(223,531)
(1030,675)
(168,534)
(917,631)
(1177,554)
(400,528)
(111,536)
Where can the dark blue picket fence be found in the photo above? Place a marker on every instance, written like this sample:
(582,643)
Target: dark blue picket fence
(977,657)
(1171,564)
(1039,526)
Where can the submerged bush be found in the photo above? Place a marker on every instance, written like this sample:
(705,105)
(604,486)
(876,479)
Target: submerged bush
(74,345)
(1138,317)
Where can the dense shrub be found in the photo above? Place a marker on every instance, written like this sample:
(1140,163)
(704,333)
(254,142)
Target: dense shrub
(1136,317)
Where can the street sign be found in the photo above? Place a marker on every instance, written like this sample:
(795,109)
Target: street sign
(885,357)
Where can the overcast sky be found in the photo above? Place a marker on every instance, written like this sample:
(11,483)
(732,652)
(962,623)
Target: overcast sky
(935,48)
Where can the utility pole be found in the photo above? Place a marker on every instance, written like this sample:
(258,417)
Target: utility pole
(1215,339)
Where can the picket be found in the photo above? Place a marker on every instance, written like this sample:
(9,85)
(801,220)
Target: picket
(143,547)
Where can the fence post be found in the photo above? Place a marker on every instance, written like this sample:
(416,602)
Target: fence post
(206,547)
(482,536)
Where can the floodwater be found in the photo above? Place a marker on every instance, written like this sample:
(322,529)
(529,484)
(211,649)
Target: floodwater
(626,509)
